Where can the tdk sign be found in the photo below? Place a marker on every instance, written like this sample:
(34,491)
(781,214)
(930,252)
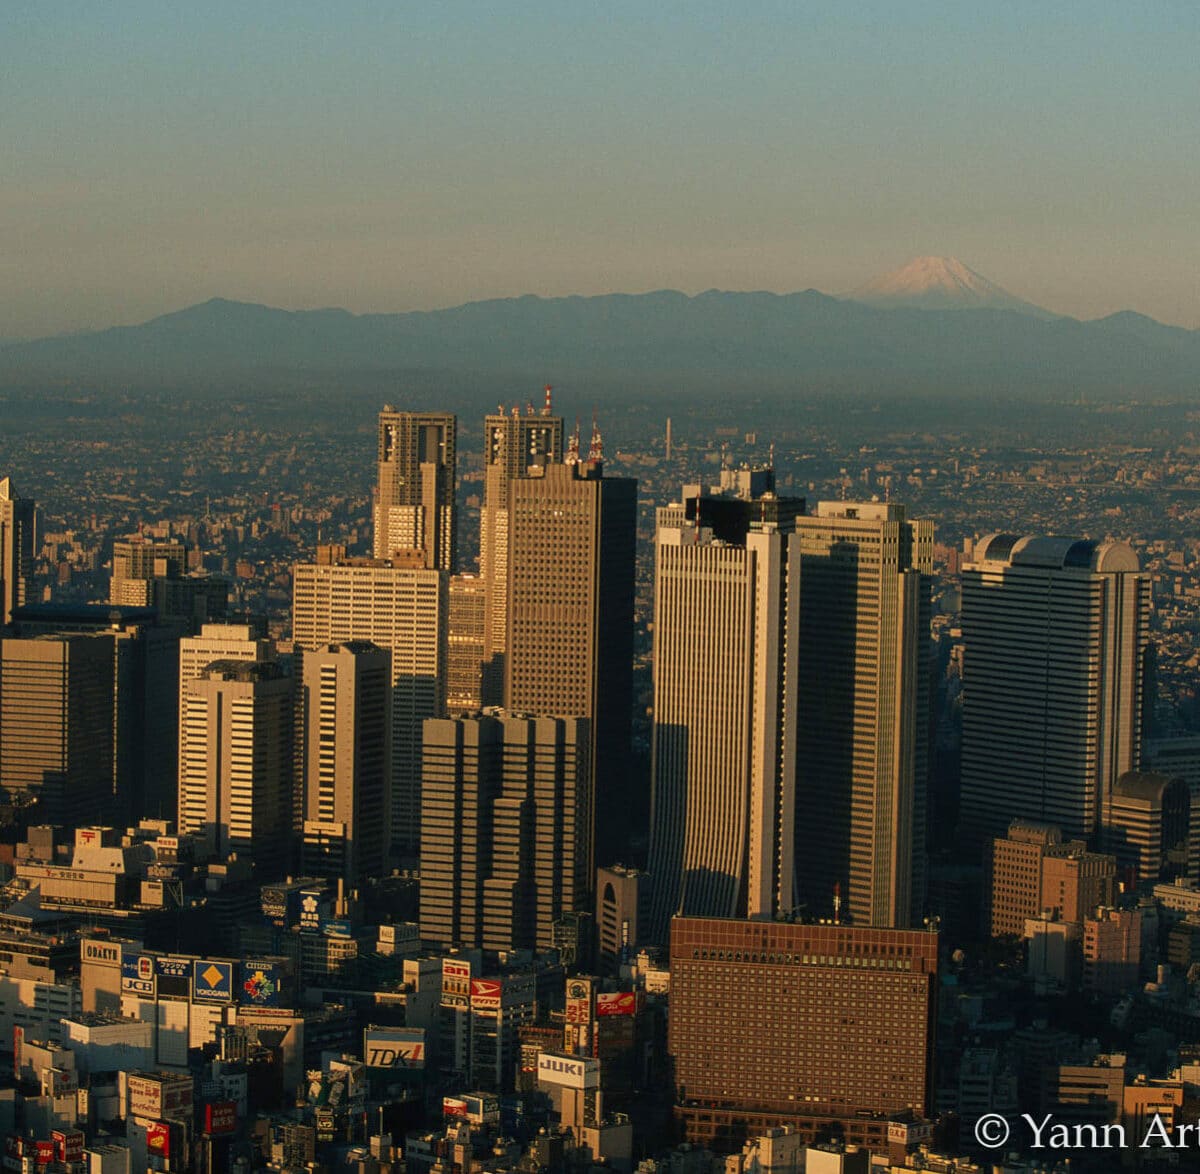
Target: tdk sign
(568,1071)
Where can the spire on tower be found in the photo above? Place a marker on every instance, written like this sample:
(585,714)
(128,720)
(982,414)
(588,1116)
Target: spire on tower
(596,448)
(572,457)
(546,408)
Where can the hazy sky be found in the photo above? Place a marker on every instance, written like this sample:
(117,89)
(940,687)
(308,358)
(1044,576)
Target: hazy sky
(395,155)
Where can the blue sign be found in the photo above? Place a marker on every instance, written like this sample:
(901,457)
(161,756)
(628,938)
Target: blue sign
(173,967)
(212,982)
(137,973)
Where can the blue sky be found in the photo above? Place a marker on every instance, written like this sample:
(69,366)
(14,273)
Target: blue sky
(391,156)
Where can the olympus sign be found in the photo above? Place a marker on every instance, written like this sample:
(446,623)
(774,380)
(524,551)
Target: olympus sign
(568,1071)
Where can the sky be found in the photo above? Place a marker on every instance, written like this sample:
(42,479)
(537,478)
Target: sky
(396,155)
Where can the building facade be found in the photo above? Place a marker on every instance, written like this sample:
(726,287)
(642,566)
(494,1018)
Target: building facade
(18,518)
(572,551)
(414,496)
(841,1025)
(1055,633)
(862,641)
(400,607)
(345,701)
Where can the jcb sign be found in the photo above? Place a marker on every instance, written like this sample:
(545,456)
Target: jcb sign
(394,1047)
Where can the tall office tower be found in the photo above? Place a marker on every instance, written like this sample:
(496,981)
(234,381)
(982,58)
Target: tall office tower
(505,837)
(345,696)
(155,574)
(572,548)
(18,518)
(414,499)
(622,896)
(832,1022)
(224,642)
(56,725)
(399,605)
(1055,644)
(137,563)
(235,779)
(863,711)
(145,704)
(465,643)
(723,761)
(515,446)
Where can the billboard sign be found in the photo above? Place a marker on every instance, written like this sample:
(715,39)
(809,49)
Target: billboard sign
(336,928)
(394,1047)
(212,982)
(105,953)
(220,1117)
(568,1071)
(453,969)
(485,994)
(158,1139)
(160,1096)
(260,984)
(137,973)
(68,1145)
(453,1107)
(620,1003)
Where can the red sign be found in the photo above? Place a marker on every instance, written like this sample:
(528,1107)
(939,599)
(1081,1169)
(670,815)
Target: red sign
(485,992)
(68,1147)
(453,1107)
(220,1117)
(158,1138)
(44,1154)
(621,1003)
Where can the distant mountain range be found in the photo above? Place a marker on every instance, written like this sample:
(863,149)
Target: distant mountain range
(934,326)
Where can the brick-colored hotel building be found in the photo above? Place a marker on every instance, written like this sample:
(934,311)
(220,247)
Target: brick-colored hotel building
(775,1023)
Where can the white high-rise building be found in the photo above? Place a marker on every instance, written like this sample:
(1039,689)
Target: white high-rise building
(1055,634)
(723,756)
(235,778)
(18,517)
(401,607)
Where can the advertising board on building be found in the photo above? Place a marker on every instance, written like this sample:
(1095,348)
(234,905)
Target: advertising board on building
(212,982)
(68,1145)
(482,1108)
(173,977)
(452,968)
(394,1047)
(568,1071)
(160,1096)
(454,1107)
(137,973)
(485,994)
(619,1003)
(260,984)
(158,1139)
(102,952)
(220,1117)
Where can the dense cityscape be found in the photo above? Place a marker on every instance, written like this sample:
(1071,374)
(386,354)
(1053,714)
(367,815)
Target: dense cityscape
(559,786)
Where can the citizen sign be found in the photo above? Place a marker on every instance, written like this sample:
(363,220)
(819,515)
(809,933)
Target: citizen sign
(568,1071)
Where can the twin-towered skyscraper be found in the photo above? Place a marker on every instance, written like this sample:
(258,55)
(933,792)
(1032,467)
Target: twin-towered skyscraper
(790,706)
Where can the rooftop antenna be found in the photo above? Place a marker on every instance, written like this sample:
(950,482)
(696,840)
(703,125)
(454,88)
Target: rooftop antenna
(529,407)
(572,457)
(596,448)
(546,408)
(516,411)
(771,456)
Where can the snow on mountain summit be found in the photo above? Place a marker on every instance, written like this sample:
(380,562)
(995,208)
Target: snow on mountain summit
(940,283)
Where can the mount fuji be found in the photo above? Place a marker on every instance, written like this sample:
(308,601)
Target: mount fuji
(940,283)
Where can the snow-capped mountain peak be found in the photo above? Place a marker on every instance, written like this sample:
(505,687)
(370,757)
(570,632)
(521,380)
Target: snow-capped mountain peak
(940,283)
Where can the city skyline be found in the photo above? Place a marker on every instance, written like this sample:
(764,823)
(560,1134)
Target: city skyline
(422,159)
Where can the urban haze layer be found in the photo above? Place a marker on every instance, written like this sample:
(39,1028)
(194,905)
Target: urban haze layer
(457,773)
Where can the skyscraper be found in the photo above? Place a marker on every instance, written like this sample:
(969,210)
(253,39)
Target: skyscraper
(137,563)
(399,605)
(465,644)
(414,499)
(346,722)
(505,837)
(572,549)
(1055,634)
(235,778)
(18,517)
(515,446)
(723,760)
(57,724)
(862,642)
